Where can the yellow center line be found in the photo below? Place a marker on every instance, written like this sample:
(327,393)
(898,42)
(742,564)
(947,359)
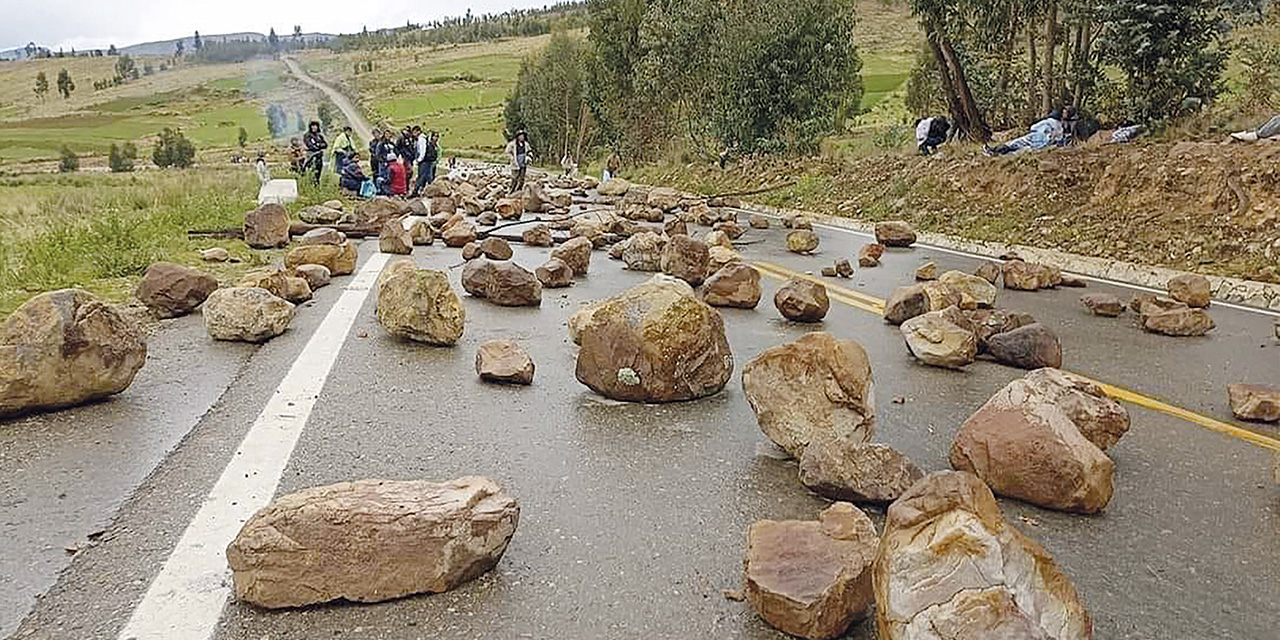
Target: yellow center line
(874,305)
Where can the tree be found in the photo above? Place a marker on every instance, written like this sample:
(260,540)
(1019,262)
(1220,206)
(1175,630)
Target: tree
(120,159)
(125,67)
(42,85)
(327,115)
(273,40)
(68,160)
(173,150)
(243,138)
(944,21)
(196,42)
(65,84)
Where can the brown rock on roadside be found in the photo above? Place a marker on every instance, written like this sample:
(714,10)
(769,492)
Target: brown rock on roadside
(555,274)
(872,472)
(896,233)
(1100,419)
(1102,304)
(1031,347)
(458,235)
(339,259)
(927,271)
(687,259)
(990,322)
(844,268)
(675,227)
(246,314)
(906,303)
(419,305)
(1255,402)
(395,239)
(828,272)
(1192,289)
(941,338)
(734,285)
(495,249)
(812,579)
(537,236)
(316,275)
(802,241)
(869,255)
(504,361)
(576,253)
(267,227)
(172,290)
(323,235)
(989,271)
(1178,322)
(801,300)
(215,254)
(758,221)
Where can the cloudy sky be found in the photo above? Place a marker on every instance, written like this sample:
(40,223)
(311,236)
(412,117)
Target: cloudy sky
(88,24)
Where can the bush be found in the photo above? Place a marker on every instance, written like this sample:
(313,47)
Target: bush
(173,150)
(120,159)
(69,161)
(892,137)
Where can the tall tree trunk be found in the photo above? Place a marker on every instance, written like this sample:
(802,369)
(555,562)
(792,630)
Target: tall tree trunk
(1033,59)
(977,130)
(1006,62)
(1051,40)
(948,83)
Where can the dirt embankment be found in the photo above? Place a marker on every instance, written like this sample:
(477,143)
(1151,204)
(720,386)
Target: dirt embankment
(1203,207)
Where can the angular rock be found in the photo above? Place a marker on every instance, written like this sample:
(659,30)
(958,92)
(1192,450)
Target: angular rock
(730,229)
(656,343)
(734,285)
(1100,419)
(340,259)
(504,361)
(320,214)
(471,251)
(758,221)
(941,338)
(989,322)
(371,541)
(989,271)
(1180,322)
(246,314)
(828,272)
(675,227)
(812,579)
(421,233)
(323,235)
(503,283)
(487,219)
(215,254)
(927,271)
(395,239)
(420,305)
(1192,289)
(614,187)
(172,290)
(896,233)
(870,472)
(495,249)
(576,253)
(800,300)
(949,566)
(579,320)
(458,235)
(906,303)
(664,198)
(1102,304)
(537,236)
(296,289)
(802,241)
(273,280)
(1255,402)
(1022,276)
(717,238)
(1074,282)
(65,348)
(815,388)
(1031,347)
(555,274)
(844,268)
(687,259)
(316,275)
(444,204)
(376,212)
(643,252)
(718,257)
(1025,446)
(869,255)
(510,208)
(267,227)
(942,296)
(982,292)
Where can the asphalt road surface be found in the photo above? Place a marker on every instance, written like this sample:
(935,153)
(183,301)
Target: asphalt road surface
(633,517)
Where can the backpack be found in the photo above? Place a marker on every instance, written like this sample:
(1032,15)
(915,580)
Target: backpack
(367,190)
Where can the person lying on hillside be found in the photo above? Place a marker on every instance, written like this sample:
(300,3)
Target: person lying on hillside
(931,133)
(1268,131)
(1076,129)
(352,175)
(1043,134)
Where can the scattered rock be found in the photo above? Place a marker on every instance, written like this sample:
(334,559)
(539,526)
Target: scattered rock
(949,566)
(420,305)
(504,361)
(270,279)
(614,187)
(717,238)
(371,541)
(576,253)
(1025,446)
(869,255)
(982,292)
(503,283)
(675,227)
(734,285)
(1031,347)
(1023,277)
(927,271)
(1102,304)
(246,314)
(320,214)
(65,348)
(990,322)
(989,271)
(906,303)
(643,252)
(471,251)
(267,227)
(941,338)
(579,320)
(839,469)
(510,208)
(800,300)
(323,235)
(1254,402)
(316,275)
(730,229)
(296,289)
(664,198)
(843,268)
(395,239)
(896,233)
(802,241)
(828,272)
(555,274)
(815,388)
(215,254)
(1100,419)
(1181,322)
(1075,282)
(656,342)
(495,249)
(1192,289)
(458,235)
(339,259)
(537,236)
(172,290)
(334,204)
(687,259)
(758,221)
(421,233)
(487,219)
(719,257)
(812,579)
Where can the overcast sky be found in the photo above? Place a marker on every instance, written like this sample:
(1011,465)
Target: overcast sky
(90,24)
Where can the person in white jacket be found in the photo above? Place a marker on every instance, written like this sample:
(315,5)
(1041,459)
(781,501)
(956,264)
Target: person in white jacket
(521,153)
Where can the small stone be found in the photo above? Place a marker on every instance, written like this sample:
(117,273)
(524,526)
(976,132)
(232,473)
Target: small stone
(215,254)
(828,272)
(495,249)
(504,361)
(471,251)
(1253,402)
(758,221)
(844,268)
(927,271)
(802,241)
(869,255)
(1075,282)
(1021,276)
(800,300)
(896,233)
(1102,304)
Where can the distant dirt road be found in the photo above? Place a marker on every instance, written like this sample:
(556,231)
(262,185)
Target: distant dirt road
(353,115)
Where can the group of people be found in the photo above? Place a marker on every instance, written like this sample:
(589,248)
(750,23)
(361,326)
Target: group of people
(1058,129)
(393,160)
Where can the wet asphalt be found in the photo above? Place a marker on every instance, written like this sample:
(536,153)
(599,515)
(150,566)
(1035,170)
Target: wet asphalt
(633,517)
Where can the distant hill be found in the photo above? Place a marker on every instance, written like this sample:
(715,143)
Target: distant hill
(167,47)
(23,53)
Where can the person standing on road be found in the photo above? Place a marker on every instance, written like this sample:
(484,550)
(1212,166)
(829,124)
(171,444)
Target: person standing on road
(612,165)
(343,147)
(374,141)
(315,144)
(521,153)
(434,152)
(419,159)
(407,149)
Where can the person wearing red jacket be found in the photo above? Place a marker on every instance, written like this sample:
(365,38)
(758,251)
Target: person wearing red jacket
(397,177)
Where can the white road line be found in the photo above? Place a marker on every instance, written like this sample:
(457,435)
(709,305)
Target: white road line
(187,597)
(966,254)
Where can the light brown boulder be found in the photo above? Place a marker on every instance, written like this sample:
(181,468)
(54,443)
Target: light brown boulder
(643,252)
(734,285)
(815,388)
(1031,347)
(458,235)
(444,204)
(371,541)
(172,290)
(802,241)
(927,271)
(420,305)
(941,338)
(395,239)
(812,579)
(801,300)
(1255,402)
(871,472)
(555,274)
(869,255)
(215,254)
(504,361)
(718,257)
(376,212)
(267,227)
(942,296)
(323,235)
(982,292)
(340,259)
(1025,446)
(687,259)
(471,251)
(1102,304)
(510,208)
(65,348)
(1030,277)
(664,198)
(896,233)
(495,249)
(828,272)
(614,187)
(675,227)
(758,221)
(576,253)
(1192,289)
(731,229)
(717,238)
(1180,322)
(906,303)
(989,271)
(949,566)
(421,233)
(320,214)
(272,280)
(296,289)
(537,236)
(246,314)
(316,275)
(503,283)
(579,320)
(1100,419)
(656,342)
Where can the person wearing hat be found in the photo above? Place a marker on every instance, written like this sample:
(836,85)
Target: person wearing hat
(521,153)
(343,147)
(397,176)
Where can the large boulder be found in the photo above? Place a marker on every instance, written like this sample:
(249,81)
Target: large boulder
(982,292)
(554,274)
(1031,347)
(906,303)
(576,253)
(395,239)
(1192,289)
(580,319)
(1100,419)
(815,388)
(267,227)
(323,235)
(1024,445)
(420,231)
(895,233)
(1180,321)
(941,338)
(340,259)
(538,235)
(643,252)
(172,290)
(812,579)
(802,241)
(458,235)
(371,541)
(316,275)
(504,361)
(1022,276)
(420,305)
(949,566)
(503,283)
(496,249)
(246,314)
(735,285)
(801,300)
(64,348)
(656,342)
(871,472)
(687,259)
(991,322)
(614,187)
(376,212)
(1255,402)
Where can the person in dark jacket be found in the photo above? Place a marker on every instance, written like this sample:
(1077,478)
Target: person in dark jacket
(374,141)
(352,176)
(315,143)
(406,149)
(931,133)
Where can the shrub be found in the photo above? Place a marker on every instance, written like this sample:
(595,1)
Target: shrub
(120,159)
(173,150)
(69,161)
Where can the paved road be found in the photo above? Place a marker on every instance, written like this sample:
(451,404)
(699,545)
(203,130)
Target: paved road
(353,115)
(633,517)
